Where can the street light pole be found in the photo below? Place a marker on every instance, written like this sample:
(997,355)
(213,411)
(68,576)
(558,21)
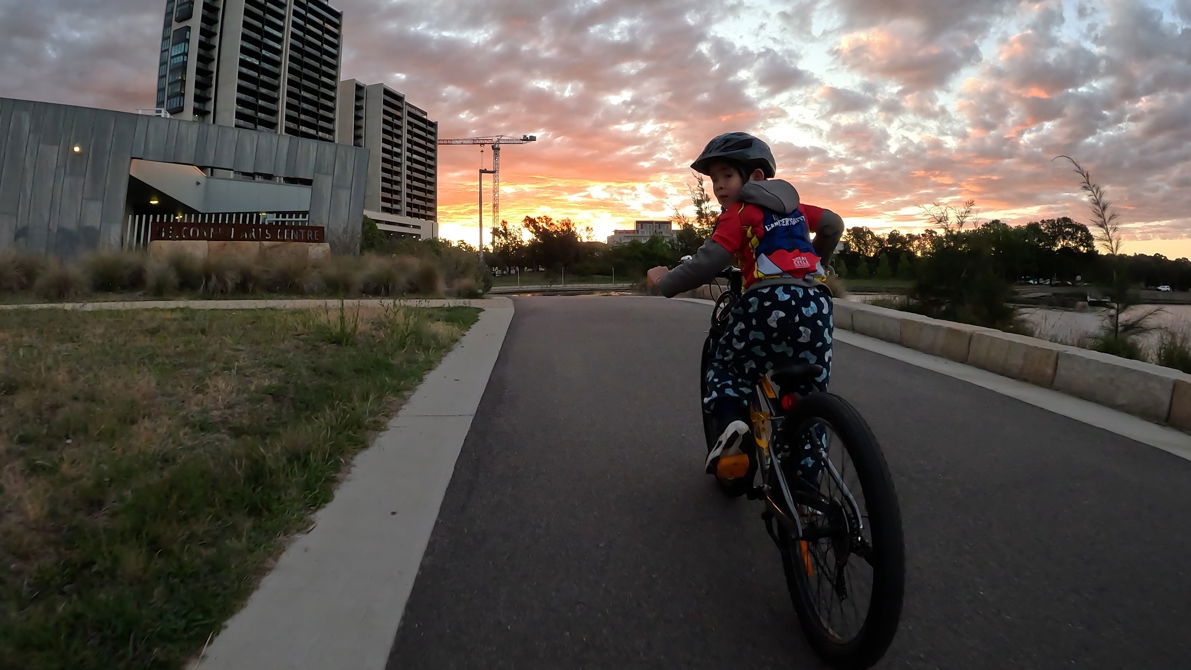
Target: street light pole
(480,208)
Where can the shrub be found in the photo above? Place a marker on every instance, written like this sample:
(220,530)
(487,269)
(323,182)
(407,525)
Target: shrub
(253,276)
(60,282)
(222,274)
(1117,346)
(10,280)
(453,262)
(115,271)
(341,275)
(428,280)
(291,275)
(466,288)
(160,277)
(1174,351)
(19,271)
(388,275)
(188,269)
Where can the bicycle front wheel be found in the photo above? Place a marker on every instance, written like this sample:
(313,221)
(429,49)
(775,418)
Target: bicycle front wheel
(846,572)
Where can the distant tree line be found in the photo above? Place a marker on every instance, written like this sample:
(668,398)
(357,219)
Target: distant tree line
(1057,250)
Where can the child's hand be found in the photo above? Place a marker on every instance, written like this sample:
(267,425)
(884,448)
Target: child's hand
(654,275)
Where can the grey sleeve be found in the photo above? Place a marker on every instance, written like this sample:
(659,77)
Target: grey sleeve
(707,262)
(827,237)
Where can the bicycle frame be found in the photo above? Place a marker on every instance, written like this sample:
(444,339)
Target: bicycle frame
(767,411)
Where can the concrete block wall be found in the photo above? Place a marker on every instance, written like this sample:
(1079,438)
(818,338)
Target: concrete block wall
(1146,390)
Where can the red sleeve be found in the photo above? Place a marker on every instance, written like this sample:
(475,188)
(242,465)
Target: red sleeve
(812,215)
(729,228)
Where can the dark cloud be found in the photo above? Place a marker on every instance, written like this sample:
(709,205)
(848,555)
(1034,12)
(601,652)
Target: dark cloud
(776,74)
(936,19)
(900,52)
(90,53)
(842,101)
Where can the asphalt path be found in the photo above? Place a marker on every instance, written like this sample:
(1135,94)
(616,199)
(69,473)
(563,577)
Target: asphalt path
(578,530)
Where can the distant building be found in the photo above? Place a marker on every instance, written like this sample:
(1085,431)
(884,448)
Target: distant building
(270,65)
(643,230)
(403,166)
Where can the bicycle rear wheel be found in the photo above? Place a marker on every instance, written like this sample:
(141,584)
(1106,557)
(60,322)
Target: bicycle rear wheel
(846,573)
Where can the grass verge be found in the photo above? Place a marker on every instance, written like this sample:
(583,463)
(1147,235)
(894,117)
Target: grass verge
(152,463)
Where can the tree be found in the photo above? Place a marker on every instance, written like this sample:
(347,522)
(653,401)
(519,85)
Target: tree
(905,268)
(949,218)
(693,230)
(1118,332)
(884,268)
(688,240)
(555,244)
(863,241)
(1063,233)
(371,237)
(1103,216)
(898,242)
(963,278)
(508,246)
(705,216)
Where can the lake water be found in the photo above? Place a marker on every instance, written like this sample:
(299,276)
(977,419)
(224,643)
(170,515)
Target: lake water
(1075,326)
(1072,327)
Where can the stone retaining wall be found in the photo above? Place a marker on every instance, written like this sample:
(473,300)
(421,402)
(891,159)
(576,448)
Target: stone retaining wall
(1150,391)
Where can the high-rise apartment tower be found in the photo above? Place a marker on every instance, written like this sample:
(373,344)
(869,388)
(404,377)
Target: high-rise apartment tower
(259,64)
(401,195)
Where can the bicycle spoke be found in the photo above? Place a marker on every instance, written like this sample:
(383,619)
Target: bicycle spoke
(830,509)
(837,597)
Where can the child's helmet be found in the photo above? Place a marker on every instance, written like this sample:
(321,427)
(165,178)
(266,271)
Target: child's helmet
(742,148)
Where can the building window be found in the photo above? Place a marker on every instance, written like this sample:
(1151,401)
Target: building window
(184,10)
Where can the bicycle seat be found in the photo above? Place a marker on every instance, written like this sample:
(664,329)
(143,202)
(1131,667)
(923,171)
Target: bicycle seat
(788,379)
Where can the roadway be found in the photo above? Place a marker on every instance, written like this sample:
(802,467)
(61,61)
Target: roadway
(579,531)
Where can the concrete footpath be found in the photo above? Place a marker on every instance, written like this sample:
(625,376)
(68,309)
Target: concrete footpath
(337,594)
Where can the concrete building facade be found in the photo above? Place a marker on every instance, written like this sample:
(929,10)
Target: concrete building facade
(403,167)
(269,65)
(67,182)
(642,231)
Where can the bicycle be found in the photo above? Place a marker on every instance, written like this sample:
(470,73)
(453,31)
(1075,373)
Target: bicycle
(819,523)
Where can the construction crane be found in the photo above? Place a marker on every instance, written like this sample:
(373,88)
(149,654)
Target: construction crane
(495,142)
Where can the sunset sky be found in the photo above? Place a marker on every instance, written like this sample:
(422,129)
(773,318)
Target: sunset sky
(873,109)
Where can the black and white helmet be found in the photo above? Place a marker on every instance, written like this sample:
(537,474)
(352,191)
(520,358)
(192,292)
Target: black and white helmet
(741,148)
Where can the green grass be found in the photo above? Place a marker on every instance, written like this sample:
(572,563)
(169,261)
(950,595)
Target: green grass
(152,463)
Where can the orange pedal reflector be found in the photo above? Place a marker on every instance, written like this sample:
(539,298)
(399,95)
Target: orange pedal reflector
(732,467)
(804,549)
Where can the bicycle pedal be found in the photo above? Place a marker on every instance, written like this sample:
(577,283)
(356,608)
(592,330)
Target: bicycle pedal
(735,466)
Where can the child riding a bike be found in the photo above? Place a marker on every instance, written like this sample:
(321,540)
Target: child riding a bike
(785,314)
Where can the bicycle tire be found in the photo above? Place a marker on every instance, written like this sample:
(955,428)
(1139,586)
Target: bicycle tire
(886,544)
